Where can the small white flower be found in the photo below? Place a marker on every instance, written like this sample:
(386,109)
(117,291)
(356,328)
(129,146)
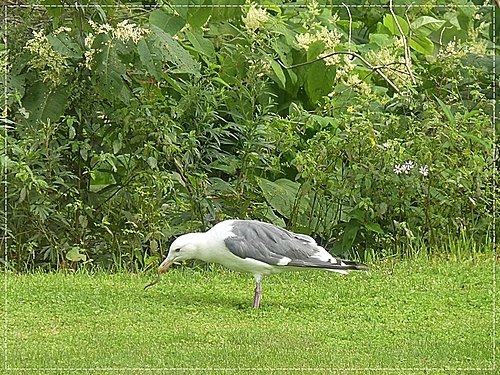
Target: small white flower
(254,18)
(424,171)
(408,166)
(398,169)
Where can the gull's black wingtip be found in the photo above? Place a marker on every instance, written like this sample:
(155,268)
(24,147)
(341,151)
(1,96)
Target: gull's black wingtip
(356,265)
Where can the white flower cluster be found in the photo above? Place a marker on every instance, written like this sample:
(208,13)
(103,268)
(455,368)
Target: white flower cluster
(407,166)
(330,38)
(62,29)
(254,18)
(124,31)
(46,60)
(456,51)
(344,68)
(4,62)
(357,84)
(313,10)
(259,67)
(392,62)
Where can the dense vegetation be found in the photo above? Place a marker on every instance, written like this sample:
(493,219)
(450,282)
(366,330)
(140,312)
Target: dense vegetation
(367,127)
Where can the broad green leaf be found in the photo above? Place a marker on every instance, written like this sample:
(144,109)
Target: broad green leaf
(272,218)
(319,81)
(198,16)
(452,18)
(180,7)
(109,70)
(221,81)
(219,186)
(65,46)
(421,44)
(391,25)
(382,40)
(173,52)
(150,58)
(101,179)
(44,104)
(475,138)
(425,25)
(280,194)
(201,44)
(279,73)
(374,227)
(283,50)
(381,29)
(169,23)
(315,49)
(224,13)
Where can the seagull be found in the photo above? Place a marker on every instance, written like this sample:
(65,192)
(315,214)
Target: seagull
(259,248)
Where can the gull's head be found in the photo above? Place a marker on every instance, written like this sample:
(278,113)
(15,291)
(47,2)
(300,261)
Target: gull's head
(183,248)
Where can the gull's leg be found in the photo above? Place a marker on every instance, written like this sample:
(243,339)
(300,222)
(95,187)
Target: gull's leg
(258,293)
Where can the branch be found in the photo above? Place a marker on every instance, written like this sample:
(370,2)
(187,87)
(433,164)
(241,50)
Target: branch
(353,54)
(350,27)
(405,45)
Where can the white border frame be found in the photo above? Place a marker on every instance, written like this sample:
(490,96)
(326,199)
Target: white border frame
(493,368)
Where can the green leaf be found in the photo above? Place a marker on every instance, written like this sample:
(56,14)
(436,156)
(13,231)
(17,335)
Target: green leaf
(221,81)
(198,16)
(315,49)
(486,145)
(152,162)
(425,25)
(44,104)
(279,73)
(319,81)
(109,70)
(173,52)
(150,58)
(391,25)
(65,46)
(280,194)
(201,44)
(374,227)
(447,110)
(350,232)
(382,40)
(421,44)
(169,23)
(117,145)
(74,255)
(101,179)
(324,121)
(72,132)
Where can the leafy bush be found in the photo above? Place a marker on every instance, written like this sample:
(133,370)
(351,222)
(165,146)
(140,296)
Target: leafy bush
(367,128)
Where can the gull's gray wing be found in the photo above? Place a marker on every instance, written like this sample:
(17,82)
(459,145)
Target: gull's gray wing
(277,246)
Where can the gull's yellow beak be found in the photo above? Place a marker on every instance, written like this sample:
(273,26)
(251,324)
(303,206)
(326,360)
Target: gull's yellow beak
(164,266)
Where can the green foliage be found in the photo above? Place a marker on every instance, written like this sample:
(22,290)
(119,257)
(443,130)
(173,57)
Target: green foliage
(368,129)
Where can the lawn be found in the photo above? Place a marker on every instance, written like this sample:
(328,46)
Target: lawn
(420,314)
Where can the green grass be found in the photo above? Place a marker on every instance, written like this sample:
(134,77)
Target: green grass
(407,314)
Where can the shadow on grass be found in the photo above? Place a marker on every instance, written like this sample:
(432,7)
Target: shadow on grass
(218,298)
